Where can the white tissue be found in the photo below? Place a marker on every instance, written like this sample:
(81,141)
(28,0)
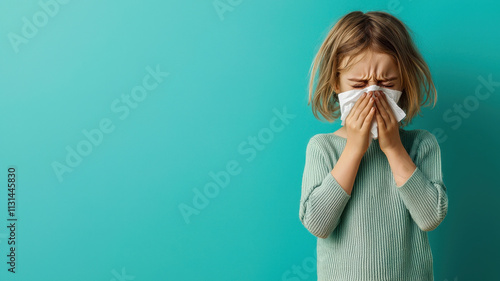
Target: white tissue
(348,99)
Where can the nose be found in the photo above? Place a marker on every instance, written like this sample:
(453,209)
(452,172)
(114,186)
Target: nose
(371,82)
(373,93)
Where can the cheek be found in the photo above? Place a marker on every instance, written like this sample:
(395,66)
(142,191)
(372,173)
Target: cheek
(339,87)
(344,86)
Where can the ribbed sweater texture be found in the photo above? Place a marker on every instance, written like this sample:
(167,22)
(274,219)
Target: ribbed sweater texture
(379,231)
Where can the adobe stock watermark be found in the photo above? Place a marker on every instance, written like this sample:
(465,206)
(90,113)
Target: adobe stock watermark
(394,6)
(484,89)
(121,276)
(301,271)
(122,107)
(48,9)
(223,6)
(247,148)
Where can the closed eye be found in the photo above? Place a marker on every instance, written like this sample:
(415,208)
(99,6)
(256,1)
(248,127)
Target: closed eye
(363,86)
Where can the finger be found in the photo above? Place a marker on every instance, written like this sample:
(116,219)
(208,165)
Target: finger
(356,104)
(388,109)
(382,110)
(361,103)
(368,120)
(365,111)
(380,120)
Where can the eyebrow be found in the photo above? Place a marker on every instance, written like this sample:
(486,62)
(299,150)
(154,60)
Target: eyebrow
(364,80)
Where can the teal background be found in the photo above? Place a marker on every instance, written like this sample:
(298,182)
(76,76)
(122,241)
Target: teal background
(116,215)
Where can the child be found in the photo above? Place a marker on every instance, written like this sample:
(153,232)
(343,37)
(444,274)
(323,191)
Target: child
(372,202)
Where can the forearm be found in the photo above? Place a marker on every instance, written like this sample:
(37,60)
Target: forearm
(422,191)
(322,209)
(346,168)
(323,199)
(402,166)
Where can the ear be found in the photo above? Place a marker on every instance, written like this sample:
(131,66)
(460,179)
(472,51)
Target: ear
(336,89)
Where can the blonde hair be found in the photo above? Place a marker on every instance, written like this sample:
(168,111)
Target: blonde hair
(381,32)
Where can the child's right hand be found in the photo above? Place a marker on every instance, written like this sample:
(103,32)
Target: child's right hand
(358,123)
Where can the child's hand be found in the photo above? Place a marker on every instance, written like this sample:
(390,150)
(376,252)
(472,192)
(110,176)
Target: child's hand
(388,127)
(358,123)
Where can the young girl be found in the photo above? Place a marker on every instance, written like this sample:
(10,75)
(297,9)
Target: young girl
(372,202)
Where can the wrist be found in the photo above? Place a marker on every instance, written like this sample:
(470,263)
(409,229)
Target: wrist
(394,151)
(353,151)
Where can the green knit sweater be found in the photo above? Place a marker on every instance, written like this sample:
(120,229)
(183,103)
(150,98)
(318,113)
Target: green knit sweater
(379,232)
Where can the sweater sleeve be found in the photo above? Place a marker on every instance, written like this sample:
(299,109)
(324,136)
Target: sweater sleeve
(424,193)
(322,199)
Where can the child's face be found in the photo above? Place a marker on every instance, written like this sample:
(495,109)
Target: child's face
(372,69)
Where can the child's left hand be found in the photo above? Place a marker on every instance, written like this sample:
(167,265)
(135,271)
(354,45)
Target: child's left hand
(388,127)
